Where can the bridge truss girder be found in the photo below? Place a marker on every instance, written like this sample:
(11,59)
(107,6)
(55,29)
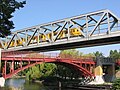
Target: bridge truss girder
(91,26)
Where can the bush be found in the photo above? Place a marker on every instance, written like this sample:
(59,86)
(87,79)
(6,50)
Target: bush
(116,84)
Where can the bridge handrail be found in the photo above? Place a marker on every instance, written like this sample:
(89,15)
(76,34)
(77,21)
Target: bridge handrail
(43,59)
(34,54)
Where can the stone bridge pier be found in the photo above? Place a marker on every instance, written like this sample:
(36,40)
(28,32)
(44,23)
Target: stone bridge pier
(104,71)
(107,69)
(109,72)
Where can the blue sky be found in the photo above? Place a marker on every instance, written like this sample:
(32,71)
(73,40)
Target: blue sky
(42,11)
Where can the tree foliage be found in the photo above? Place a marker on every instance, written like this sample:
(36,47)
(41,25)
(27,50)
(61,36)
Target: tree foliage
(66,72)
(71,53)
(74,54)
(41,70)
(114,54)
(98,54)
(7,7)
(116,84)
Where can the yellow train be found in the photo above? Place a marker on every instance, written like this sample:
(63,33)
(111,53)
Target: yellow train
(43,38)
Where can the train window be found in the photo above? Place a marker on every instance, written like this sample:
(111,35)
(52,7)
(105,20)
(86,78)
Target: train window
(66,32)
(77,30)
(73,30)
(41,36)
(18,41)
(50,35)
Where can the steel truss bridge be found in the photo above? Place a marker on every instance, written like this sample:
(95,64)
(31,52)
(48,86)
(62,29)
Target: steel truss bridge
(95,28)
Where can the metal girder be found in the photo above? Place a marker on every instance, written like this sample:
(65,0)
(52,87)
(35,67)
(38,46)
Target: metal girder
(46,29)
(31,37)
(10,41)
(113,24)
(60,31)
(97,24)
(113,15)
(92,19)
(73,22)
(85,26)
(108,21)
(59,27)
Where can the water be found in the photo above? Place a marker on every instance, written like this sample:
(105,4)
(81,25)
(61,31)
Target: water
(21,84)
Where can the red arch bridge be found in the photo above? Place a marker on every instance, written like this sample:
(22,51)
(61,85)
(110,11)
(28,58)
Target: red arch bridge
(14,62)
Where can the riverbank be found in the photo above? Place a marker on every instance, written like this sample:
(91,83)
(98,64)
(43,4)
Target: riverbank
(17,76)
(72,84)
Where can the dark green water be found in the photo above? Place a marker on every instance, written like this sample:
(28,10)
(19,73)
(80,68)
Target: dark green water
(20,84)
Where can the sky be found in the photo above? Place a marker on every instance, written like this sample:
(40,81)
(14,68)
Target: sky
(38,12)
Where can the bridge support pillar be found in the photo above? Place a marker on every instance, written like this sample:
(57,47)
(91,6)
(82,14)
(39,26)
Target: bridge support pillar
(109,73)
(2,80)
(0,62)
(98,71)
(113,72)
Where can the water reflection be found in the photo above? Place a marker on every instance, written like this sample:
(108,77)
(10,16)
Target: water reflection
(14,84)
(17,83)
(11,88)
(21,84)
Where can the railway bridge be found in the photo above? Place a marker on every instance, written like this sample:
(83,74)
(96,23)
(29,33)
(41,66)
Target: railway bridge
(91,29)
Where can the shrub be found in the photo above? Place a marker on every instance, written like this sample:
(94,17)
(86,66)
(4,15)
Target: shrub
(116,84)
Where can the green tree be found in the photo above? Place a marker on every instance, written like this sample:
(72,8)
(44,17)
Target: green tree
(41,70)
(7,7)
(114,54)
(67,72)
(89,55)
(48,69)
(75,54)
(70,53)
(98,54)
